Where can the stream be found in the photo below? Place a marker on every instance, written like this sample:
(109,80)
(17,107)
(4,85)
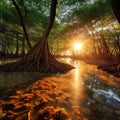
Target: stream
(85,93)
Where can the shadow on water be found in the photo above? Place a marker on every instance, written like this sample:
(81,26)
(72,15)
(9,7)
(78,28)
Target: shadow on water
(10,82)
(86,93)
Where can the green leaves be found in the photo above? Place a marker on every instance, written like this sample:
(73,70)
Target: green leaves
(71,14)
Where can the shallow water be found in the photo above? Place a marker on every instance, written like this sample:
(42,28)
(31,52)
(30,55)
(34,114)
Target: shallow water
(85,93)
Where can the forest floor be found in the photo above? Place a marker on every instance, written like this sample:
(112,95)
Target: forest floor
(38,101)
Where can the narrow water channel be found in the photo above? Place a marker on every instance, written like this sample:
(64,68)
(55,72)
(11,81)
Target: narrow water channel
(85,93)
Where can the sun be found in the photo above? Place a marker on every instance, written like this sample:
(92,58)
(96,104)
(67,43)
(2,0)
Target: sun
(77,47)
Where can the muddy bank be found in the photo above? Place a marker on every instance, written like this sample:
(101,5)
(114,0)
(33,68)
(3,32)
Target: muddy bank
(110,66)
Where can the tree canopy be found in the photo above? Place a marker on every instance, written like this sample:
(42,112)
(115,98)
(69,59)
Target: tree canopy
(87,21)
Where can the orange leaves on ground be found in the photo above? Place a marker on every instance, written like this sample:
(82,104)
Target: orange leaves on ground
(49,93)
(2,102)
(28,105)
(37,93)
(59,99)
(28,95)
(14,97)
(50,113)
(19,92)
(46,99)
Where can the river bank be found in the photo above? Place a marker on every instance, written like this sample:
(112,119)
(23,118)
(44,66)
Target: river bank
(110,66)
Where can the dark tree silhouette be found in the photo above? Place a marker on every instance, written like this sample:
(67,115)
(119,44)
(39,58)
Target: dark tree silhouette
(22,23)
(39,57)
(116,8)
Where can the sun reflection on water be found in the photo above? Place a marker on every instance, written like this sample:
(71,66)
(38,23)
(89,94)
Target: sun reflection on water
(77,71)
(76,74)
(76,83)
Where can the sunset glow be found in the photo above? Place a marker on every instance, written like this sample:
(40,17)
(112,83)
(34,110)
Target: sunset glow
(77,47)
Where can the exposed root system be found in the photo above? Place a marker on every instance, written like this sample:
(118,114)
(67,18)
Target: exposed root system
(31,66)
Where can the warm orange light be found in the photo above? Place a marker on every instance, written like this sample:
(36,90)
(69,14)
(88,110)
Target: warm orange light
(77,47)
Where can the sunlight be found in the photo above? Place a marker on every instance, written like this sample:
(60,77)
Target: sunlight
(68,60)
(77,83)
(68,53)
(77,73)
(77,47)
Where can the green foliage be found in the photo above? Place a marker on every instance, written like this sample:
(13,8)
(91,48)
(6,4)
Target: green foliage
(85,11)
(72,15)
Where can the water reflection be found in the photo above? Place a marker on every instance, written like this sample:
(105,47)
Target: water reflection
(93,94)
(96,93)
(76,83)
(109,97)
(5,61)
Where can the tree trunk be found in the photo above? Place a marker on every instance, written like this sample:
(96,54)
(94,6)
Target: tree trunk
(40,52)
(23,47)
(22,23)
(39,57)
(116,8)
(17,45)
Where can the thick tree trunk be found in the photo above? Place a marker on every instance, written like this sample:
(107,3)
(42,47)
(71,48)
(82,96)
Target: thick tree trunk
(40,52)
(116,8)
(39,57)
(22,23)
